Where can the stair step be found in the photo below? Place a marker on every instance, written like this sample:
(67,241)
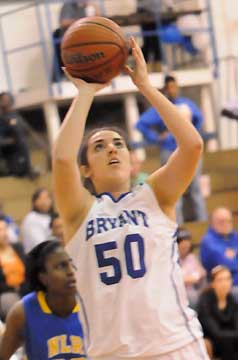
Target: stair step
(16,194)
(199,228)
(18,208)
(11,187)
(228,199)
(224,181)
(221,160)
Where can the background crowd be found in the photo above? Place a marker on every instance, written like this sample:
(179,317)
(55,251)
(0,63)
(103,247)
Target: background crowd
(210,270)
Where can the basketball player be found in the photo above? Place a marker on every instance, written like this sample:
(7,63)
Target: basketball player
(46,321)
(123,242)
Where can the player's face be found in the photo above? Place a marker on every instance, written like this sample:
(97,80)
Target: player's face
(59,277)
(222,283)
(108,161)
(172,89)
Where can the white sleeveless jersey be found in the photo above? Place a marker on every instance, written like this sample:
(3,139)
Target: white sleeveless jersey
(129,280)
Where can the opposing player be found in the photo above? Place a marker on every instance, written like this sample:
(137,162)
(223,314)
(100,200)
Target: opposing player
(46,320)
(123,241)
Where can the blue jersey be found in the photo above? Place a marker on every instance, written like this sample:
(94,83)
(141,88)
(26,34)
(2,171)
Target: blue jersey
(48,336)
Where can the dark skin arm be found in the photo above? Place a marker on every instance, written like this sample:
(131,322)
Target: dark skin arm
(13,336)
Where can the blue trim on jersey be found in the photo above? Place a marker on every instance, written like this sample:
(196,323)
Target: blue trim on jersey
(112,197)
(178,299)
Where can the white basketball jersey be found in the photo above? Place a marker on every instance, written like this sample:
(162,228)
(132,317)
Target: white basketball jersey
(129,280)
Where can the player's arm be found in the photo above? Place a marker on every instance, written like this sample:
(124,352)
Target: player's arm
(13,336)
(170,181)
(72,199)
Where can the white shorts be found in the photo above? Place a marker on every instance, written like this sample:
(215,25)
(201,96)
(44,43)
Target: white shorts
(196,350)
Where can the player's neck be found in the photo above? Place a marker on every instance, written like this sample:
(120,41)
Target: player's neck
(116,190)
(60,305)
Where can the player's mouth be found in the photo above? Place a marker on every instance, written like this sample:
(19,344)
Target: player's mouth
(113,162)
(71,283)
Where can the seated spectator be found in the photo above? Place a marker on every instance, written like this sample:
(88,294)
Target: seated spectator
(13,229)
(69,13)
(15,151)
(218,314)
(193,273)
(137,176)
(219,245)
(56,226)
(36,224)
(12,271)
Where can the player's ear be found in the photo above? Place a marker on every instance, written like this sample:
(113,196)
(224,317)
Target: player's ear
(43,278)
(85,171)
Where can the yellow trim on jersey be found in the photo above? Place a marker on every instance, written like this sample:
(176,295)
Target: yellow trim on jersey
(44,306)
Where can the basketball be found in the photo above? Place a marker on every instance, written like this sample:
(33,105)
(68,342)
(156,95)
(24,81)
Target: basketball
(94,49)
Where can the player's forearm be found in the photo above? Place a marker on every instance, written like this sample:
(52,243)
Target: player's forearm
(182,129)
(72,130)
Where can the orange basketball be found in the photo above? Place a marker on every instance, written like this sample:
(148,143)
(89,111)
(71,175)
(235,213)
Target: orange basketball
(94,49)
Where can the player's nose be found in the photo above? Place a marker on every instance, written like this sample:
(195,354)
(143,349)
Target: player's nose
(112,148)
(70,270)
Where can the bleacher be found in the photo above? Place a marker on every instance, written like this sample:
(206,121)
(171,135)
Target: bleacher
(220,166)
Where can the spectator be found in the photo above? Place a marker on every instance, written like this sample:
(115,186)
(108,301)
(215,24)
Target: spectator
(12,271)
(69,13)
(13,229)
(151,43)
(36,224)
(220,243)
(15,151)
(154,131)
(193,272)
(56,226)
(138,176)
(218,314)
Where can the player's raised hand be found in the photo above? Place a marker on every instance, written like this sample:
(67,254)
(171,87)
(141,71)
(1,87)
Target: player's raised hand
(83,85)
(139,74)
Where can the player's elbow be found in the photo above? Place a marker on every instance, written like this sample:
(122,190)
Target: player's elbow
(197,145)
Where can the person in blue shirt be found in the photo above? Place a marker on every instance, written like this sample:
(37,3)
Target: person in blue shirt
(151,125)
(46,320)
(219,245)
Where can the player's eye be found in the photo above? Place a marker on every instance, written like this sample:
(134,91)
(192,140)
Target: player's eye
(98,147)
(62,265)
(119,143)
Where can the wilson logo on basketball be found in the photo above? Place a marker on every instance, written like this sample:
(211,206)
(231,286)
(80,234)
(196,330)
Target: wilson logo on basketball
(83,59)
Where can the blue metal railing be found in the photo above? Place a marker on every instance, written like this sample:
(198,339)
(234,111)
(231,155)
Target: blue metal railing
(43,39)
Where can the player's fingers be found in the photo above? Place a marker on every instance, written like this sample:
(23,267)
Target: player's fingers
(128,70)
(136,46)
(137,57)
(67,74)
